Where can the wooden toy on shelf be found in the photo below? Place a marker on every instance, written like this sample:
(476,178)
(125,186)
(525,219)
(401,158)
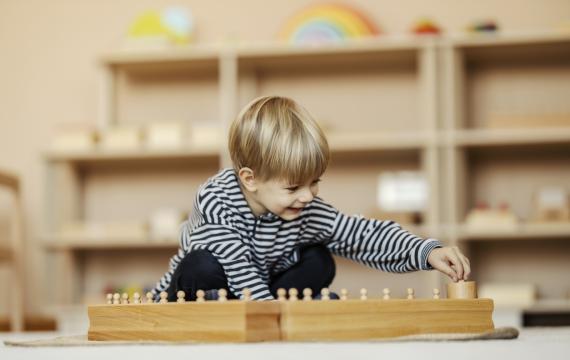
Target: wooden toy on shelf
(483,218)
(426,27)
(293,319)
(552,204)
(483,26)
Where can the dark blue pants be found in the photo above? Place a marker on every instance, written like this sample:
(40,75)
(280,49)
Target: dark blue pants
(200,270)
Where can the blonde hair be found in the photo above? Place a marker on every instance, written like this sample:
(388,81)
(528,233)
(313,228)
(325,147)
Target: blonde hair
(278,139)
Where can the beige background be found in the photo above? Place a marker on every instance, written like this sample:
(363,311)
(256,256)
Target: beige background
(49,71)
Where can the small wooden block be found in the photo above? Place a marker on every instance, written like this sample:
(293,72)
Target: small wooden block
(462,290)
(363,294)
(325,294)
(436,293)
(307,294)
(293,294)
(200,296)
(149,298)
(246,294)
(281,294)
(163,297)
(222,295)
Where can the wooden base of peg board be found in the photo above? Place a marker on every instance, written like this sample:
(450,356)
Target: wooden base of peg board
(377,319)
(211,321)
(252,321)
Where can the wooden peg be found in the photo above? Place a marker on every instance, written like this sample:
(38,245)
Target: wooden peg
(136,298)
(462,290)
(307,294)
(109,298)
(200,296)
(386,293)
(125,298)
(116,298)
(436,293)
(325,294)
(363,294)
(246,294)
(163,297)
(149,298)
(343,294)
(293,294)
(180,297)
(222,295)
(410,294)
(281,294)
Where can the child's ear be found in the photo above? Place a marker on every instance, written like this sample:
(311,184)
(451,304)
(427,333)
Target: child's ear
(247,179)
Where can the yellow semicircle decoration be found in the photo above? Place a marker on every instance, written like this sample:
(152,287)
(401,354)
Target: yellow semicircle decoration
(148,24)
(349,22)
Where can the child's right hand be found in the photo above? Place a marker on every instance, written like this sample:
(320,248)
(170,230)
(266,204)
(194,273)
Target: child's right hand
(450,261)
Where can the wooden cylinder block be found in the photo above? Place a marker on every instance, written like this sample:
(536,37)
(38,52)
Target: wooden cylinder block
(462,290)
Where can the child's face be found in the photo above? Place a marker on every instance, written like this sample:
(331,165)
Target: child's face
(286,200)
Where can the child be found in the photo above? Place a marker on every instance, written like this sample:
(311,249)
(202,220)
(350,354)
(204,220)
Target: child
(260,225)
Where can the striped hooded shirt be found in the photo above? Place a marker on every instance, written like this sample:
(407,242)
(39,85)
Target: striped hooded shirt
(252,249)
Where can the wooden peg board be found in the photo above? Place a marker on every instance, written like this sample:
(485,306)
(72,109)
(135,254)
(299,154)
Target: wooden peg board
(211,321)
(377,318)
(299,320)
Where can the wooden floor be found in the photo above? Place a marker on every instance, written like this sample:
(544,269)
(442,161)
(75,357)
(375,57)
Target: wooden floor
(537,343)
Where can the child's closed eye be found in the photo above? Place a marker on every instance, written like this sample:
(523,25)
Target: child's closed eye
(294,188)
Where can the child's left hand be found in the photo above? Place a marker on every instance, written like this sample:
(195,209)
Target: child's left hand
(450,261)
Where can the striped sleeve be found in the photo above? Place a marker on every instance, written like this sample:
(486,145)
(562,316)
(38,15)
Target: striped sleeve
(380,244)
(218,236)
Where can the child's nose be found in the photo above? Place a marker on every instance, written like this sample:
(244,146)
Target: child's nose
(306,195)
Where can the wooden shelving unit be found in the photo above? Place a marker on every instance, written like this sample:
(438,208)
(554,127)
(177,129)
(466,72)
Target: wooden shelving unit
(387,105)
(521,74)
(12,252)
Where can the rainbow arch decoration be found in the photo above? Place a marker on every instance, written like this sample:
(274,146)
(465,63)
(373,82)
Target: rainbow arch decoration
(327,23)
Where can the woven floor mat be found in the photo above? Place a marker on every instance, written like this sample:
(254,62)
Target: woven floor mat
(505,333)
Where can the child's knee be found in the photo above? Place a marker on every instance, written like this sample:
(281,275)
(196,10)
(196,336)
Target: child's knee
(322,258)
(201,264)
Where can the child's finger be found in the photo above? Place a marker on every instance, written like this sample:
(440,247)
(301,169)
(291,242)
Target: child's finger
(447,270)
(455,260)
(466,267)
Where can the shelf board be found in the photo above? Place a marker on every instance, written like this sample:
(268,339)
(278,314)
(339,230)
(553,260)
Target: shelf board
(376,141)
(346,142)
(510,137)
(513,48)
(392,48)
(201,53)
(523,232)
(498,39)
(59,243)
(142,154)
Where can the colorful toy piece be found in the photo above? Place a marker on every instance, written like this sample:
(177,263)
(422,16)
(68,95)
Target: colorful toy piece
(484,26)
(174,24)
(327,23)
(426,27)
